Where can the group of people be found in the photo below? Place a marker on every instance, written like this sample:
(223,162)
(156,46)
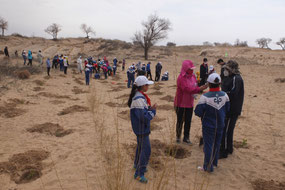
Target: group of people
(218,109)
(140,69)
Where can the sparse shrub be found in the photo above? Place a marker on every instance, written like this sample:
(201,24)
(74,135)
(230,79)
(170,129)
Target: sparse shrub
(207,43)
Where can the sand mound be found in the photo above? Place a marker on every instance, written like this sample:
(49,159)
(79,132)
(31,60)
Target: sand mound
(78,81)
(50,95)
(25,167)
(39,82)
(9,110)
(77,90)
(56,102)
(124,96)
(157,120)
(165,107)
(280,80)
(156,93)
(117,88)
(111,104)
(17,101)
(38,88)
(168,98)
(73,109)
(261,184)
(50,129)
(124,115)
(154,127)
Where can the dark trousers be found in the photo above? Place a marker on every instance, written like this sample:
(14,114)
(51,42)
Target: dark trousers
(24,61)
(228,134)
(30,62)
(143,152)
(65,70)
(114,71)
(106,75)
(157,76)
(184,115)
(87,77)
(149,75)
(48,70)
(212,140)
(61,66)
(54,65)
(131,80)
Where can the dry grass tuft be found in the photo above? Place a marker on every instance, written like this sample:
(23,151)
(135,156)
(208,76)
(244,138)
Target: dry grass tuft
(73,109)
(50,129)
(156,93)
(38,88)
(56,102)
(111,104)
(78,81)
(25,167)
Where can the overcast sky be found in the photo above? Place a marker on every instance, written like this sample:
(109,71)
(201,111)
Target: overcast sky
(193,21)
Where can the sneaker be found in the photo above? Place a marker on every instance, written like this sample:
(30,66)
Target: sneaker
(187,141)
(141,179)
(222,156)
(178,140)
(201,141)
(200,168)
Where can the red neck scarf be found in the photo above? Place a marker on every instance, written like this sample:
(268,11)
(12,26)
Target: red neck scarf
(215,89)
(147,98)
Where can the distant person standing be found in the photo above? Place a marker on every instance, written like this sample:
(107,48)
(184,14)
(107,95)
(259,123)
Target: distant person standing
(148,71)
(234,87)
(48,66)
(88,68)
(204,72)
(79,64)
(55,62)
(131,76)
(40,57)
(158,69)
(222,63)
(65,64)
(30,58)
(6,52)
(61,67)
(16,53)
(124,65)
(24,55)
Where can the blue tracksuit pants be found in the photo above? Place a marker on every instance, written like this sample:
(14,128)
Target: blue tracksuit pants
(143,152)
(212,139)
(87,77)
(131,80)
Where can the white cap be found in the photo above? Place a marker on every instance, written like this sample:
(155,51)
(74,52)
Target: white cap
(142,80)
(214,79)
(211,67)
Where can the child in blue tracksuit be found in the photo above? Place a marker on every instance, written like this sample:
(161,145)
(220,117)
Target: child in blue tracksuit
(141,114)
(212,109)
(131,76)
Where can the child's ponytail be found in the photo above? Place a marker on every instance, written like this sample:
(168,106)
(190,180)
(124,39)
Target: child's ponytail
(135,88)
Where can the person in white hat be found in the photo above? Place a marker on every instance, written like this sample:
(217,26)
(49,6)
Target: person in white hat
(212,109)
(142,112)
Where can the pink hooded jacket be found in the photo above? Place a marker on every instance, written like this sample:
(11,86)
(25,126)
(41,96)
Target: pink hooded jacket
(186,87)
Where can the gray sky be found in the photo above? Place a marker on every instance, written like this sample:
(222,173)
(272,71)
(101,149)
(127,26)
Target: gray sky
(193,21)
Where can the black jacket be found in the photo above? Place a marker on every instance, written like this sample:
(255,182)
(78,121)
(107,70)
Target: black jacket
(222,73)
(203,74)
(158,68)
(234,87)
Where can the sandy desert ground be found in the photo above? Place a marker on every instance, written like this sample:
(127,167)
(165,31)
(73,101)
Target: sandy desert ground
(56,133)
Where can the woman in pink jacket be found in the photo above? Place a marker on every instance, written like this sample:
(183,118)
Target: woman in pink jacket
(187,87)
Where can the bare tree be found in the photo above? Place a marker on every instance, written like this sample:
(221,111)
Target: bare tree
(87,30)
(281,43)
(154,29)
(3,25)
(263,42)
(53,30)
(240,43)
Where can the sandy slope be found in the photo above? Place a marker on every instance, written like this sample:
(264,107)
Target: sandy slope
(79,160)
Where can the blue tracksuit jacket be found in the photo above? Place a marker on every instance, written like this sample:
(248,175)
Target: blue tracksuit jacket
(141,115)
